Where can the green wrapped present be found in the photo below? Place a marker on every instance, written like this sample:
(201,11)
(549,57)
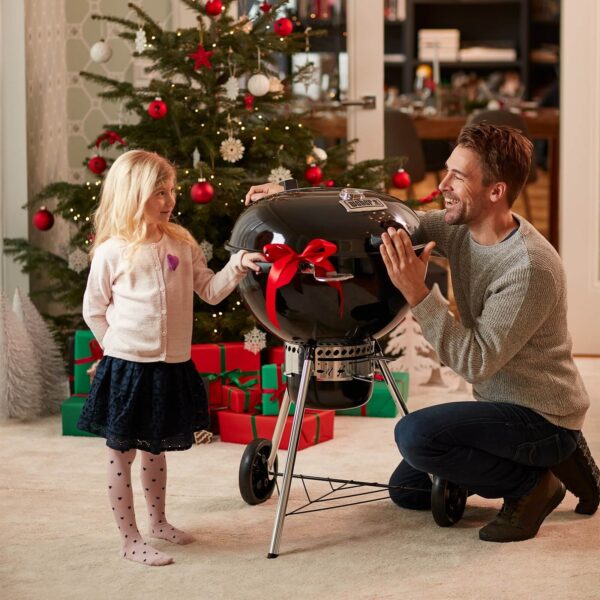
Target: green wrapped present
(86,351)
(273,389)
(70,410)
(381,403)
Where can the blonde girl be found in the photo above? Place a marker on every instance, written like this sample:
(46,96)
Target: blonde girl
(146,394)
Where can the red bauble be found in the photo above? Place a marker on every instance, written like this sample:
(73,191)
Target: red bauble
(43,219)
(249,101)
(283,26)
(157,109)
(97,165)
(401,179)
(265,7)
(313,175)
(329,183)
(213,8)
(202,192)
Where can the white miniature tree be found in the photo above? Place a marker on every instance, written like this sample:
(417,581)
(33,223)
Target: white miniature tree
(20,383)
(418,356)
(51,365)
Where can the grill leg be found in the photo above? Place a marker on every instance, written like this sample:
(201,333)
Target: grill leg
(307,371)
(276,439)
(391,383)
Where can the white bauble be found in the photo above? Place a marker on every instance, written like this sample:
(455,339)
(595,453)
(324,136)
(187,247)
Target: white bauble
(258,84)
(100,52)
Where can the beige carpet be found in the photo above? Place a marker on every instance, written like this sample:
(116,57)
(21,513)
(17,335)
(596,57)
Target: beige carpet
(58,540)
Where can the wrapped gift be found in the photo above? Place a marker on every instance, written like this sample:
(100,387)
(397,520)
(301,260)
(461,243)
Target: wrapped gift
(273,389)
(240,428)
(214,418)
(276,355)
(86,352)
(242,400)
(70,411)
(381,403)
(228,363)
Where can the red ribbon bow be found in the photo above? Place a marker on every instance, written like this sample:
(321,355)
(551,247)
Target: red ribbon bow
(285,266)
(110,137)
(96,353)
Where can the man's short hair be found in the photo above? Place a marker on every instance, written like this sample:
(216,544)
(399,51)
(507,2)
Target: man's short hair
(504,154)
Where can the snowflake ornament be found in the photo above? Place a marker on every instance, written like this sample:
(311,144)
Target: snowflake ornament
(232,88)
(279,174)
(255,340)
(140,40)
(231,149)
(207,250)
(78,261)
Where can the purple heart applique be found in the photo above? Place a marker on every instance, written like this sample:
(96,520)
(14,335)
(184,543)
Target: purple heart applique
(172,261)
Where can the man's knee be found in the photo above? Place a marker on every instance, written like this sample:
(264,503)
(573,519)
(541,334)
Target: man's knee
(410,438)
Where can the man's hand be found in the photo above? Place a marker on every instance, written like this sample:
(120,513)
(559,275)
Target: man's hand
(250,258)
(256,192)
(406,269)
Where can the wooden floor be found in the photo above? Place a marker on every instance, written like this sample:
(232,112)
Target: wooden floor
(538,193)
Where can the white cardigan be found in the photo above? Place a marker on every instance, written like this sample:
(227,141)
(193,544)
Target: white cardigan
(144,313)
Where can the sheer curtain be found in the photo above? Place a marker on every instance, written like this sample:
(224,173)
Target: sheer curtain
(13,153)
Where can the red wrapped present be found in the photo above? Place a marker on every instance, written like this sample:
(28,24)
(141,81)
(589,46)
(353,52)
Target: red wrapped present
(276,354)
(240,428)
(242,400)
(228,363)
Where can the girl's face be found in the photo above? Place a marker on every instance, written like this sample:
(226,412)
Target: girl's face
(160,205)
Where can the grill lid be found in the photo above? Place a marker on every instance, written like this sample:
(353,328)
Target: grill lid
(353,219)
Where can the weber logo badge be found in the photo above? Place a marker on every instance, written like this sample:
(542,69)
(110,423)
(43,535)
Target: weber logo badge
(363,204)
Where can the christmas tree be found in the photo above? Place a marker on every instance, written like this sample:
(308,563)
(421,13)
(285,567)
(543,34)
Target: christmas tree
(217,108)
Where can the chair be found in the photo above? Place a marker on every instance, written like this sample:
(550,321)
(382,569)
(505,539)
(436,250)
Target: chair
(505,117)
(401,139)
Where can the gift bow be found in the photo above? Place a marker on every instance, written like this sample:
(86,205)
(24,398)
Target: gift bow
(285,266)
(232,376)
(110,137)
(96,354)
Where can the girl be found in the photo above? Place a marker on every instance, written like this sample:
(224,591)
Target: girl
(146,394)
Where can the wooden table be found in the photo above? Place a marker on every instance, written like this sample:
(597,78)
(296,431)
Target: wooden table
(543,124)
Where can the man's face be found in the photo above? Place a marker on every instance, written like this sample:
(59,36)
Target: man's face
(466,198)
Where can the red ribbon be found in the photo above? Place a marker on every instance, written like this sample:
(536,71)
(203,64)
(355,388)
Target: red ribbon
(110,137)
(285,266)
(96,354)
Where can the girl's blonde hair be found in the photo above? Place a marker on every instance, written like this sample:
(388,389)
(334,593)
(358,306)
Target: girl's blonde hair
(130,182)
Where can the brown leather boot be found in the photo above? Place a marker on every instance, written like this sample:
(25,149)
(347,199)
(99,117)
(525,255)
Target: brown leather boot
(520,519)
(581,477)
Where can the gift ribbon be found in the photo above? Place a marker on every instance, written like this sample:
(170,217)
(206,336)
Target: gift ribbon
(285,266)
(96,352)
(276,394)
(232,375)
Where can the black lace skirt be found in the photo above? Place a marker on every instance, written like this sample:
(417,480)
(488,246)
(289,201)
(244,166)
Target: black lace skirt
(150,406)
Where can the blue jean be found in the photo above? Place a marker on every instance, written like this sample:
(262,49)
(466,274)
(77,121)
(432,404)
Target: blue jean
(493,449)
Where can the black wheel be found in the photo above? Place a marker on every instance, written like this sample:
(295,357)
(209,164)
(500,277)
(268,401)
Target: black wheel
(448,502)
(256,484)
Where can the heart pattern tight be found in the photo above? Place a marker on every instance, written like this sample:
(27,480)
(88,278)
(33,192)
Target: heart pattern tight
(154,483)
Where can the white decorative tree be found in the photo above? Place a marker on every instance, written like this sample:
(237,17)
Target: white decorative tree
(20,382)
(51,365)
(418,356)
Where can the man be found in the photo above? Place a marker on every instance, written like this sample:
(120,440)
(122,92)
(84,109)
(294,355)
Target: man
(511,343)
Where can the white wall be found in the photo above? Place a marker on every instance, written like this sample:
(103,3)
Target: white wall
(580,169)
(13,140)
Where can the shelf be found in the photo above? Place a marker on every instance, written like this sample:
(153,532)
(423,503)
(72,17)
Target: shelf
(473,64)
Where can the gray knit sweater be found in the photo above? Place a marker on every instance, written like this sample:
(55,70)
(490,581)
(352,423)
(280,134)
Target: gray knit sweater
(512,340)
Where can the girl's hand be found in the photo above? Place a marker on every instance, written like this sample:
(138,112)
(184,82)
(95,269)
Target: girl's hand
(256,192)
(250,258)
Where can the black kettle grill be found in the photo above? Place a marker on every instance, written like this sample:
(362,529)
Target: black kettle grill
(325,292)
